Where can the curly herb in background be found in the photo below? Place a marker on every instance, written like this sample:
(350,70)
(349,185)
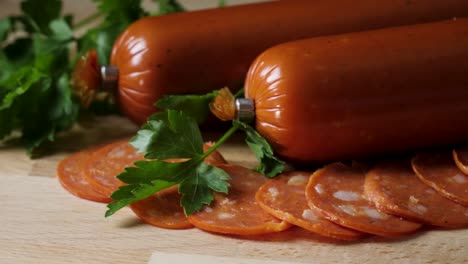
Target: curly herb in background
(36,59)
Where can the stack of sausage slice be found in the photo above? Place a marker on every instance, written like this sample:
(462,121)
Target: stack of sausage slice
(391,199)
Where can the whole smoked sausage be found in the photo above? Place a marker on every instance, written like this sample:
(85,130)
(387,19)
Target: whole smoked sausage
(365,93)
(197,52)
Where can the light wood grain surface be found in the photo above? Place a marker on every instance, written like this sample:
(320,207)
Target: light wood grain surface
(41,223)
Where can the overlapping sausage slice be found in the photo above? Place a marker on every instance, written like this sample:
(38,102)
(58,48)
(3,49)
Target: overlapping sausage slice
(107,162)
(72,178)
(438,170)
(238,213)
(162,210)
(461,158)
(284,198)
(394,188)
(337,193)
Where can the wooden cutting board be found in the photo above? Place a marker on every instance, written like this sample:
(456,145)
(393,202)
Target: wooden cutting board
(41,223)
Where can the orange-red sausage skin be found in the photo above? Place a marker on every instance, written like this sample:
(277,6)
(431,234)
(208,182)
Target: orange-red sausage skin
(197,52)
(367,93)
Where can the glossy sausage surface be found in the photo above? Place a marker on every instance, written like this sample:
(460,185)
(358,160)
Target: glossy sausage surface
(360,94)
(196,52)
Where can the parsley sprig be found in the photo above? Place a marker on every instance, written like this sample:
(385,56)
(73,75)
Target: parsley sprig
(175,134)
(38,50)
(168,135)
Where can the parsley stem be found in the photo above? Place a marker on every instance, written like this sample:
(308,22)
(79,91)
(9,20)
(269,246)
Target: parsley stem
(85,21)
(239,93)
(218,143)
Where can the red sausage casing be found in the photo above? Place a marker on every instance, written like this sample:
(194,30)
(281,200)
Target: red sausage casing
(197,52)
(364,93)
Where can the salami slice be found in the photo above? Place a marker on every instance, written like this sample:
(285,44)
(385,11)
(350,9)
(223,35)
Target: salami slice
(337,193)
(461,159)
(238,213)
(109,161)
(284,198)
(438,170)
(162,210)
(394,188)
(72,177)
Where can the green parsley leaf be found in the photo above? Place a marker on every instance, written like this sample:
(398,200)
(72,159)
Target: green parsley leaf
(51,53)
(129,194)
(18,84)
(222,3)
(105,38)
(168,7)
(23,95)
(5,28)
(101,39)
(61,30)
(118,15)
(169,134)
(121,12)
(269,164)
(64,110)
(173,134)
(197,189)
(147,171)
(214,177)
(41,13)
(18,54)
(197,106)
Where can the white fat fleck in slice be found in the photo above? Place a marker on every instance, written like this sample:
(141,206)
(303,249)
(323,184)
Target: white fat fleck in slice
(83,182)
(413,205)
(273,192)
(223,216)
(349,209)
(466,212)
(227,201)
(373,213)
(318,188)
(413,200)
(459,178)
(298,180)
(117,154)
(208,209)
(430,191)
(418,208)
(248,183)
(310,216)
(347,196)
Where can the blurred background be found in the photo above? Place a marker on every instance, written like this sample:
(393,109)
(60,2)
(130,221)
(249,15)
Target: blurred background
(82,8)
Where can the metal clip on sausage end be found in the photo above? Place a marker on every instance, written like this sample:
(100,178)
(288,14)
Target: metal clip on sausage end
(245,110)
(110,75)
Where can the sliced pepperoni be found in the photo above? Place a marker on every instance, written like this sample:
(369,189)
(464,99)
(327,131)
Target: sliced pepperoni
(238,213)
(395,189)
(438,170)
(107,162)
(162,210)
(71,176)
(284,198)
(110,160)
(461,159)
(337,193)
